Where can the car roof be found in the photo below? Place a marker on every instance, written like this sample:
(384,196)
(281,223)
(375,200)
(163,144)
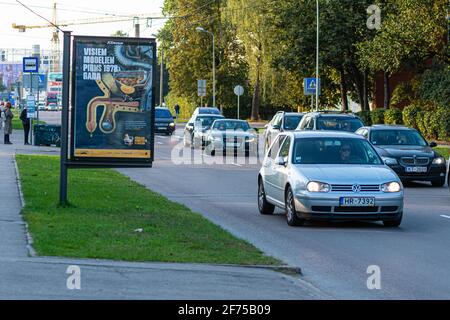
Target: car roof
(209,115)
(390,127)
(324,134)
(206,110)
(162,108)
(228,119)
(294,113)
(337,114)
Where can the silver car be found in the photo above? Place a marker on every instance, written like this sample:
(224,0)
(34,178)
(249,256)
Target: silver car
(328,175)
(229,136)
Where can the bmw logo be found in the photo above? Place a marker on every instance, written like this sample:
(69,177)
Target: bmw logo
(356,188)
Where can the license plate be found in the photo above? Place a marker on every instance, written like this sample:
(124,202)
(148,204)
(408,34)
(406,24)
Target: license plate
(416,169)
(357,201)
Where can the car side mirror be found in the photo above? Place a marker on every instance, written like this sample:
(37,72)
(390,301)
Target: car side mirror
(433,144)
(281,161)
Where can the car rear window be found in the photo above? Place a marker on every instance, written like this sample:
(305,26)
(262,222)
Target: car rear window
(339,124)
(163,113)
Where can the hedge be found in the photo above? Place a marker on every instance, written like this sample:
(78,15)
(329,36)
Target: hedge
(409,115)
(377,116)
(393,116)
(365,117)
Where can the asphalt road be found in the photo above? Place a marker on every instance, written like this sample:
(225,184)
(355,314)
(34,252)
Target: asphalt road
(414,259)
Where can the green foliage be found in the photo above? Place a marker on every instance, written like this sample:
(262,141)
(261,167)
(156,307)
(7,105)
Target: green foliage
(410,115)
(420,122)
(377,116)
(442,123)
(435,85)
(393,116)
(365,117)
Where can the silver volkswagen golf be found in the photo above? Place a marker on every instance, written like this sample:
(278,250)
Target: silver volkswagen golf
(328,175)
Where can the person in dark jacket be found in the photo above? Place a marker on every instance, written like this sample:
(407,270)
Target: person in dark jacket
(25,124)
(8,122)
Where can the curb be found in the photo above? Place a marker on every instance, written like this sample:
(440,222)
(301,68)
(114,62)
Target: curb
(31,251)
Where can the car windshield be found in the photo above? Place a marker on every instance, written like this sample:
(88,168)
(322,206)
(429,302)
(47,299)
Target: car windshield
(334,151)
(397,138)
(208,111)
(205,121)
(291,122)
(163,113)
(339,124)
(231,125)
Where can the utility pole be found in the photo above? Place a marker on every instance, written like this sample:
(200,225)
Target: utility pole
(136,27)
(161,79)
(317,57)
(200,29)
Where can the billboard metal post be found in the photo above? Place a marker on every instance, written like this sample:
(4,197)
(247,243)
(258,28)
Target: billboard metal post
(65,119)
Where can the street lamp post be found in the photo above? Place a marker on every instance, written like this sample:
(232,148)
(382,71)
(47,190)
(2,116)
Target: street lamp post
(317,56)
(161,75)
(200,29)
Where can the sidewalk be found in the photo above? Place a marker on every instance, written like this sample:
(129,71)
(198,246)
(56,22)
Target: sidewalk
(25,277)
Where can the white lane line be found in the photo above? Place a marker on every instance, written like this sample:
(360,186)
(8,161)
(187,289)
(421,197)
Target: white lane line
(444,216)
(159,142)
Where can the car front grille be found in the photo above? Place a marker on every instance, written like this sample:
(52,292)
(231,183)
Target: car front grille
(415,161)
(355,209)
(349,187)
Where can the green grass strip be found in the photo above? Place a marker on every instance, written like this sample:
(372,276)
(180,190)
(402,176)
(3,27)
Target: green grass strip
(106,208)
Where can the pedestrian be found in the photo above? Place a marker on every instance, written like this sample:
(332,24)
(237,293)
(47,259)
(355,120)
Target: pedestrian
(8,122)
(177,110)
(25,124)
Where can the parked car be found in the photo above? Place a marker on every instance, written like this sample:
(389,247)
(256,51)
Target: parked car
(164,122)
(41,106)
(281,121)
(330,121)
(51,107)
(317,175)
(407,153)
(205,110)
(231,136)
(196,128)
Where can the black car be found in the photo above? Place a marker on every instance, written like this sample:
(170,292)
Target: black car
(164,121)
(281,121)
(407,153)
(330,121)
(197,127)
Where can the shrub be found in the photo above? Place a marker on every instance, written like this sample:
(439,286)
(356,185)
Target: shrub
(377,116)
(420,122)
(429,128)
(393,116)
(410,114)
(365,117)
(442,120)
(435,85)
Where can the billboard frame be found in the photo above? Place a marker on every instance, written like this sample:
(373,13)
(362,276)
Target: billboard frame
(109,162)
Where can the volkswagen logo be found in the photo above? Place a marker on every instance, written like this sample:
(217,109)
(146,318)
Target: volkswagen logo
(356,188)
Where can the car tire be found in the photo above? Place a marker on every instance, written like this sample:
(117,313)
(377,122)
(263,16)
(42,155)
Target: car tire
(393,223)
(291,214)
(438,183)
(264,207)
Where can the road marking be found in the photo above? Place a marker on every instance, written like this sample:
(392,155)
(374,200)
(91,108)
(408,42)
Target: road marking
(159,142)
(444,216)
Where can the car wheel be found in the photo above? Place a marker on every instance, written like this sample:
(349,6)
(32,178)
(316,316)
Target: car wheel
(438,183)
(263,206)
(393,223)
(291,215)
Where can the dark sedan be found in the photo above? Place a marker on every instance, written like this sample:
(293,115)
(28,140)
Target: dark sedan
(164,121)
(407,153)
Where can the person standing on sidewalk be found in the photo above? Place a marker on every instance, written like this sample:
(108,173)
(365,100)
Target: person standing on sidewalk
(25,124)
(8,122)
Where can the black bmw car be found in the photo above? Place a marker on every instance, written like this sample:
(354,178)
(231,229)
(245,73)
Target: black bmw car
(164,122)
(407,153)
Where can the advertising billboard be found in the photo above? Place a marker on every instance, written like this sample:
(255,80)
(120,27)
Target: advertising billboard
(112,95)
(10,73)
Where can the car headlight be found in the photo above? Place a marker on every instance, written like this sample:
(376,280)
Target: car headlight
(439,160)
(391,187)
(389,161)
(171,124)
(315,186)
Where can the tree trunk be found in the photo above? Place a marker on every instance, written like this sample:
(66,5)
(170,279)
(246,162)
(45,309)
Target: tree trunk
(387,91)
(344,99)
(256,93)
(365,106)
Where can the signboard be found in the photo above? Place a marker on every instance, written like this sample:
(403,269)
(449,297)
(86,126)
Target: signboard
(201,88)
(31,106)
(238,90)
(10,73)
(30,64)
(113,114)
(309,86)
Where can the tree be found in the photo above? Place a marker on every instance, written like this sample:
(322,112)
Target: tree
(412,32)
(120,33)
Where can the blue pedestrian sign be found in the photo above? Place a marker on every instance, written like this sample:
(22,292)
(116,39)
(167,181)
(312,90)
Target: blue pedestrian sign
(30,64)
(309,86)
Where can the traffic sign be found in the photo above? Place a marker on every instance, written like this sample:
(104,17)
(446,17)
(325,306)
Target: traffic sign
(309,86)
(201,88)
(238,90)
(31,106)
(30,64)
